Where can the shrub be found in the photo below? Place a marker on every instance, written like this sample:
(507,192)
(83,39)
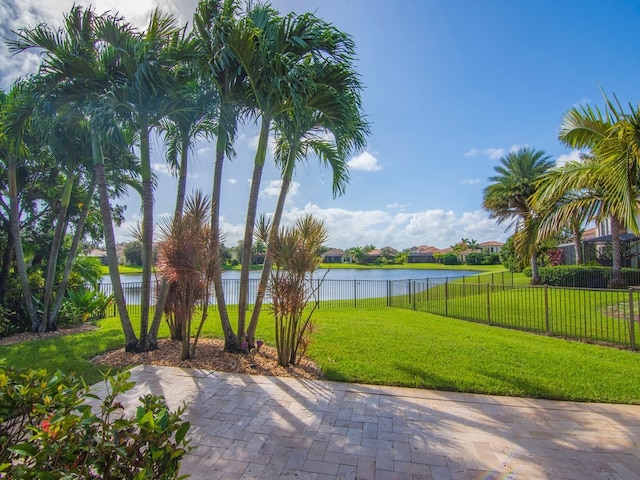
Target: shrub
(47,430)
(585,276)
(450,259)
(82,305)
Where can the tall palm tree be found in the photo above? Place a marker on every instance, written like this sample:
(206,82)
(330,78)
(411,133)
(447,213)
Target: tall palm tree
(75,71)
(331,126)
(193,117)
(613,136)
(273,50)
(143,96)
(14,118)
(507,197)
(213,22)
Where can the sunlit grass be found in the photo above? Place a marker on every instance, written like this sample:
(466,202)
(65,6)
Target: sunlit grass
(391,346)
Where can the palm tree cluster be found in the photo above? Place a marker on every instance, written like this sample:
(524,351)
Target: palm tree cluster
(602,186)
(104,87)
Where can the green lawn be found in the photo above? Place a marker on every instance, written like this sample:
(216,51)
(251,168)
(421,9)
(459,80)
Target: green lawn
(400,347)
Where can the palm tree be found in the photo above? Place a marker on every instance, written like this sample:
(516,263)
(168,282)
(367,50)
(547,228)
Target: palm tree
(76,71)
(213,22)
(614,139)
(14,119)
(332,127)
(143,95)
(507,197)
(273,51)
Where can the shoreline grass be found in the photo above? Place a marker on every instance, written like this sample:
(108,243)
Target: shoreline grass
(389,346)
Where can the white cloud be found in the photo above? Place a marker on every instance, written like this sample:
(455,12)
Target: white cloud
(272,189)
(232,181)
(472,153)
(515,147)
(470,181)
(573,155)
(161,168)
(348,228)
(397,205)
(364,162)
(490,153)
(493,153)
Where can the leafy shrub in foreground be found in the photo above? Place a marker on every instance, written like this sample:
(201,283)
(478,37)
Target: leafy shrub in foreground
(48,431)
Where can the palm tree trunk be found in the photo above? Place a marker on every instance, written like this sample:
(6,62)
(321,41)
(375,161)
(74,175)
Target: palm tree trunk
(229,335)
(535,273)
(616,247)
(14,223)
(577,244)
(252,208)
(110,243)
(147,238)
(268,260)
(75,243)
(52,265)
(7,256)
(164,285)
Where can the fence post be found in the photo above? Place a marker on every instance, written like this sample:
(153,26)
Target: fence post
(414,295)
(489,303)
(446,297)
(546,309)
(388,293)
(427,295)
(632,321)
(355,294)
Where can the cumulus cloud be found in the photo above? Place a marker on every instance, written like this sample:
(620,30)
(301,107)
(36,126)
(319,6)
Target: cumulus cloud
(232,181)
(364,162)
(573,155)
(440,228)
(470,181)
(490,153)
(272,189)
(161,168)
(17,14)
(397,205)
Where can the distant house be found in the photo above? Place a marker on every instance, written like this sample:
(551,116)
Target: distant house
(372,256)
(335,255)
(423,254)
(99,254)
(490,247)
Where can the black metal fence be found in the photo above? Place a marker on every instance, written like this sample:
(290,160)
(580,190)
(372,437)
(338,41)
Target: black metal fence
(593,315)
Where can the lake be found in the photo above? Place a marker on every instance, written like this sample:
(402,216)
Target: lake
(341,274)
(339,284)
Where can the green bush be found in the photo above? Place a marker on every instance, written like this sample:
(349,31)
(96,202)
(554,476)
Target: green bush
(83,305)
(584,276)
(48,431)
(479,258)
(450,259)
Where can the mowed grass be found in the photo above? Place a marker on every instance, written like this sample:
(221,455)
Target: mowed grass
(390,346)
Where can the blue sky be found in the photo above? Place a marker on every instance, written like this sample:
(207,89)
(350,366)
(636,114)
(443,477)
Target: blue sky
(450,87)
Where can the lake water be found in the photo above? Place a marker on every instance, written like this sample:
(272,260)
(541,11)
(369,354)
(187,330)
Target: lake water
(342,274)
(338,284)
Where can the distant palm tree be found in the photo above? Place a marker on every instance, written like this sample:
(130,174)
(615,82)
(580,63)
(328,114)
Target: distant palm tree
(507,197)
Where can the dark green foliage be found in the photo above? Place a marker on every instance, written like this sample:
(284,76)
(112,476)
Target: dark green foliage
(509,258)
(450,259)
(49,431)
(479,258)
(133,253)
(585,276)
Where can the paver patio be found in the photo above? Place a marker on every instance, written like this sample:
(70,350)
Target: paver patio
(256,427)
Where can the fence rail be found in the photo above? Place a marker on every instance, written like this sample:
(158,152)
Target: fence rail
(592,315)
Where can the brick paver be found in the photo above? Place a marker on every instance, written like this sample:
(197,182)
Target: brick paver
(252,427)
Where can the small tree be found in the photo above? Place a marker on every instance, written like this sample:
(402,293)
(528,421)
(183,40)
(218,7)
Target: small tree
(296,254)
(185,259)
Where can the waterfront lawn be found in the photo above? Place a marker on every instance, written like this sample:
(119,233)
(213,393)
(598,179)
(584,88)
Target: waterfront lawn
(390,346)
